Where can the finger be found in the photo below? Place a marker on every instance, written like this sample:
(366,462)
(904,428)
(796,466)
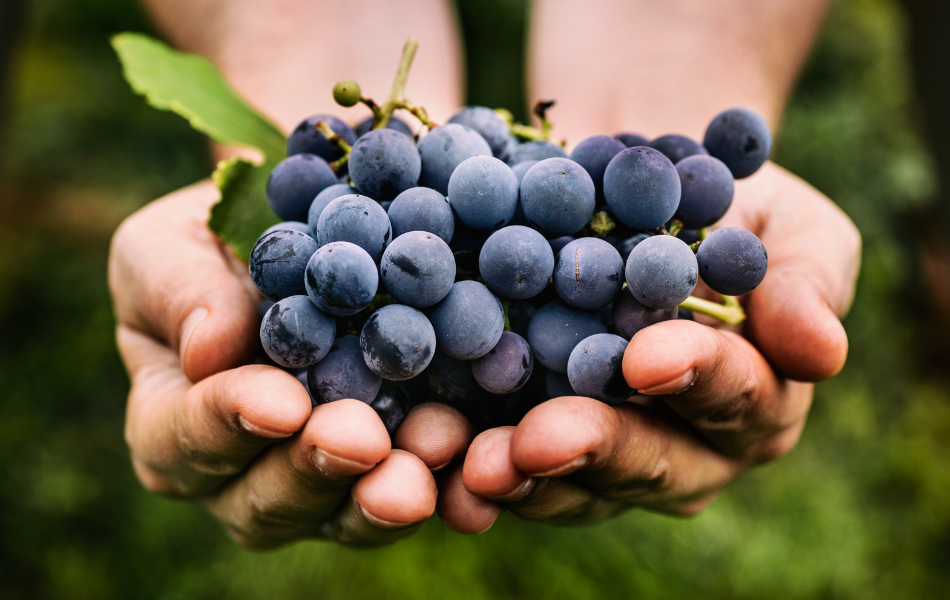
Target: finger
(814,256)
(388,503)
(292,489)
(171,278)
(185,439)
(718,382)
(626,453)
(489,471)
(462,510)
(436,433)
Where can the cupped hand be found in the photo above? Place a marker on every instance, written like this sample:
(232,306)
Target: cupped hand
(204,425)
(712,402)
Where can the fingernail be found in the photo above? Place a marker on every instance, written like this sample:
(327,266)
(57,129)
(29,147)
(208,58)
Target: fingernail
(260,431)
(382,523)
(673,386)
(578,463)
(188,328)
(442,466)
(519,493)
(336,467)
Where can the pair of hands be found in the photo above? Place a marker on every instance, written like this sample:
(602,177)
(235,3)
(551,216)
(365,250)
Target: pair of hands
(241,439)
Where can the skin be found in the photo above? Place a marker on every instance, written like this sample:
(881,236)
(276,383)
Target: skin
(205,426)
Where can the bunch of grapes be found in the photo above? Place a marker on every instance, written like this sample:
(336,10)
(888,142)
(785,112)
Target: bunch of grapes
(481,266)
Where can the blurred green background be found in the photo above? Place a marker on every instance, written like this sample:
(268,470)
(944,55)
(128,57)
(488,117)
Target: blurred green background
(861,509)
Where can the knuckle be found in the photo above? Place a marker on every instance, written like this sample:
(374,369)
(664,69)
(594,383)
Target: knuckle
(777,446)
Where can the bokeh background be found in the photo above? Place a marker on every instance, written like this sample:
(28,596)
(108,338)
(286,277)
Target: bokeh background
(861,509)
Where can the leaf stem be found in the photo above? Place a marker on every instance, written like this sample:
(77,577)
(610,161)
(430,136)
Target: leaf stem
(730,312)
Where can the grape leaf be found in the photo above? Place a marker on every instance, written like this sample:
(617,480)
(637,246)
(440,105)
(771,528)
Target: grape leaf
(191,86)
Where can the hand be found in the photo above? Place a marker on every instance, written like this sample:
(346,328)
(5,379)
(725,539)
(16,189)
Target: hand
(242,440)
(712,403)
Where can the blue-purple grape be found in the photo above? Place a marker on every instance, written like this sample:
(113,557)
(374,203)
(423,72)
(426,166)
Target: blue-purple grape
(341,279)
(306,139)
(343,374)
(740,138)
(418,269)
(278,262)
(537,150)
(677,147)
(642,187)
(588,273)
(506,367)
(295,334)
(468,322)
(629,316)
(483,192)
(384,163)
(358,220)
(661,272)
(443,149)
(707,190)
(732,261)
(325,197)
(397,342)
(422,209)
(557,196)
(516,262)
(594,154)
(488,124)
(556,328)
(595,369)
(295,182)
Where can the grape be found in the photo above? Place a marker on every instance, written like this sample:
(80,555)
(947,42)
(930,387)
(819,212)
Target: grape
(506,367)
(685,314)
(384,163)
(629,316)
(262,307)
(306,139)
(740,138)
(595,369)
(295,334)
(392,406)
(341,279)
(343,374)
(466,245)
(521,168)
(632,139)
(418,268)
(468,322)
(397,342)
(346,92)
(358,220)
(557,196)
(394,123)
(558,385)
(642,187)
(295,182)
(677,147)
(290,225)
(422,209)
(689,236)
(443,149)
(451,382)
(588,273)
(558,243)
(594,154)
(301,376)
(732,261)
(519,317)
(487,123)
(483,192)
(556,329)
(707,186)
(626,246)
(537,150)
(325,197)
(516,262)
(278,262)
(661,271)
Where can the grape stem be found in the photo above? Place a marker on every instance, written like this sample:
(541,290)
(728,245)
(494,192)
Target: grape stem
(396,99)
(729,312)
(527,132)
(337,141)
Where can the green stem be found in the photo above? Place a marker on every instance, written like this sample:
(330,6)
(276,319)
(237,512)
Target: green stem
(730,312)
(399,85)
(337,141)
(416,111)
(675,228)
(601,224)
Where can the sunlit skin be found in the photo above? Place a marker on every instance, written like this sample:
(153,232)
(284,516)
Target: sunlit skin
(242,441)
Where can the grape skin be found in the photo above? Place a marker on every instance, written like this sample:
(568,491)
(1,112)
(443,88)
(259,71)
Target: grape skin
(558,385)
(295,334)
(422,209)
(558,243)
(468,322)
(588,273)
(358,220)
(537,150)
(290,225)
(556,329)
(557,196)
(278,262)
(732,261)
(595,369)
(677,147)
(626,246)
(305,139)
(487,123)
(629,316)
(392,406)
(343,374)
(397,342)
(642,187)
(451,382)
(443,149)
(594,154)
(395,123)
(341,279)
(707,191)
(740,138)
(661,271)
(295,182)
(384,163)
(632,139)
(319,203)
(418,269)
(506,367)
(483,192)
(516,262)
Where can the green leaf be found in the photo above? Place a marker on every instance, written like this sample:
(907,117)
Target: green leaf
(242,213)
(191,86)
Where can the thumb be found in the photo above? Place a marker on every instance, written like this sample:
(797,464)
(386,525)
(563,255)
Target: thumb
(171,279)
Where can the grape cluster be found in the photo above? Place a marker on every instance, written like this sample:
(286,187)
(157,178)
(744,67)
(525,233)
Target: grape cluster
(470,268)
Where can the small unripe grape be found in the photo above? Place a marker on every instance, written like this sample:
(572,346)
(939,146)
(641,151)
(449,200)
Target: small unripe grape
(346,92)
